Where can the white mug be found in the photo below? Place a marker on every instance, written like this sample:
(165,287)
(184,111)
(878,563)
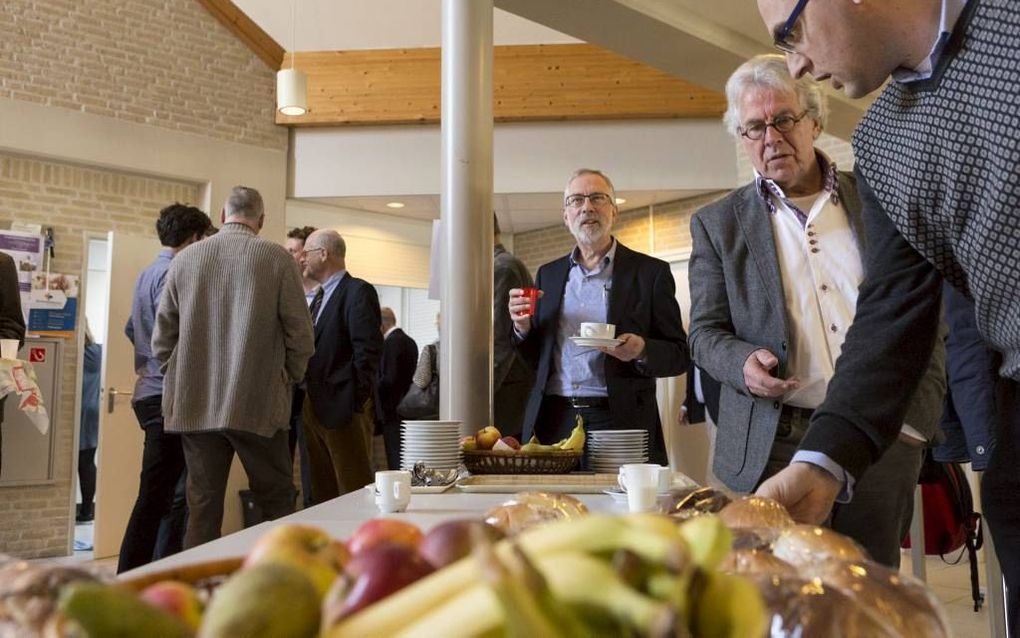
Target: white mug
(8,348)
(595,330)
(641,482)
(393,490)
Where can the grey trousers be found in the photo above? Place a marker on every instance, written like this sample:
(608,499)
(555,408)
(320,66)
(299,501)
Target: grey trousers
(878,515)
(208,456)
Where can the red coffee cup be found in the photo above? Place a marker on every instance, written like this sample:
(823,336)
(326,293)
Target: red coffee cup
(531,294)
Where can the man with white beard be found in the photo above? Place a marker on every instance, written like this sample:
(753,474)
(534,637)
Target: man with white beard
(601,281)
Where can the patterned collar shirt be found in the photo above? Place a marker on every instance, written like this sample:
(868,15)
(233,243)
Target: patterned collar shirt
(580,371)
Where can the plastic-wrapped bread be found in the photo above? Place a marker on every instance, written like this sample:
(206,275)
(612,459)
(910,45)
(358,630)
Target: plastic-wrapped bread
(694,501)
(755,511)
(812,609)
(756,561)
(28,595)
(528,509)
(898,599)
(807,544)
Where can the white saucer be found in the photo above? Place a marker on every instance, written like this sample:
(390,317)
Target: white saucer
(596,342)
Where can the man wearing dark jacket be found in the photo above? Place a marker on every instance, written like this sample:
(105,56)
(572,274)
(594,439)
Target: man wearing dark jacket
(341,378)
(512,378)
(399,358)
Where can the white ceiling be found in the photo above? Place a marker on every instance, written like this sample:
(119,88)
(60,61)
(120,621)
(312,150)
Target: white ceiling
(517,212)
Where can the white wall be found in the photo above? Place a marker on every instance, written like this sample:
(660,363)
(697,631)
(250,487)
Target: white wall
(531,157)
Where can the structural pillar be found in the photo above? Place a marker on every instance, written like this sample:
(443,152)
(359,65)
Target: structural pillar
(466,211)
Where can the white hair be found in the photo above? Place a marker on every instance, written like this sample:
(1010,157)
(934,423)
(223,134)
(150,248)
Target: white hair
(244,202)
(590,171)
(771,72)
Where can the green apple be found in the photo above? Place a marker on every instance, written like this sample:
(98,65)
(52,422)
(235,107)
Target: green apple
(307,548)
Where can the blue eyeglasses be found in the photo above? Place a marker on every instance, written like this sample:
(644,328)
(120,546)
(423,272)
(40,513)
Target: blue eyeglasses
(780,37)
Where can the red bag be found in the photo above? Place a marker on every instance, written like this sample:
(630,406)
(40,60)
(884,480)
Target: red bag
(950,521)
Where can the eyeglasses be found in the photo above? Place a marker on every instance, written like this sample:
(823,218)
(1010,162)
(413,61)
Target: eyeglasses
(781,38)
(784,124)
(596,199)
(311,250)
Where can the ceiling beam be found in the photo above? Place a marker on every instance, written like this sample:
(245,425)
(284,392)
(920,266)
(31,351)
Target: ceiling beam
(530,83)
(669,37)
(245,29)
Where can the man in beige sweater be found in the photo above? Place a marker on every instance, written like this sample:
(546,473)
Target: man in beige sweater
(234,335)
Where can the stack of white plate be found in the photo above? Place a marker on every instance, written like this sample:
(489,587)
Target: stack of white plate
(609,449)
(436,443)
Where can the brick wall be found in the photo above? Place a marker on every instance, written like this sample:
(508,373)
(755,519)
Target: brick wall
(73,200)
(165,63)
(663,228)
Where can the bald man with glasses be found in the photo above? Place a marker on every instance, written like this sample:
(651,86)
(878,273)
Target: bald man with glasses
(602,281)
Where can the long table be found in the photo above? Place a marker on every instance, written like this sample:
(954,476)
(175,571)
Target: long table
(341,516)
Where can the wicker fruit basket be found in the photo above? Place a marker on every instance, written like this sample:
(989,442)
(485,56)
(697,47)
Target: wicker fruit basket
(204,576)
(504,462)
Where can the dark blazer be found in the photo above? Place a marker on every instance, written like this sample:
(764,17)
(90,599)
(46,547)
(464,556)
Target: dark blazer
(738,306)
(342,371)
(710,388)
(396,368)
(12,321)
(643,302)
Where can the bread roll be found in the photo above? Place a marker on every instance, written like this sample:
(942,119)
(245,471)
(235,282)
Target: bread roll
(806,544)
(756,561)
(755,511)
(904,603)
(528,509)
(812,609)
(693,501)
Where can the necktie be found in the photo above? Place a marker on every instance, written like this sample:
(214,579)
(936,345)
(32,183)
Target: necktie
(316,304)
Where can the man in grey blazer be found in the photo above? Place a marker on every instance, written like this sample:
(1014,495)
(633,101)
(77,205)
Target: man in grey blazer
(774,273)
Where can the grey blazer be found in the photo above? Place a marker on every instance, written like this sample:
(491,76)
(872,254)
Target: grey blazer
(737,307)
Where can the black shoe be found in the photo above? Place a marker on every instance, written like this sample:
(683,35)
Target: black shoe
(85,512)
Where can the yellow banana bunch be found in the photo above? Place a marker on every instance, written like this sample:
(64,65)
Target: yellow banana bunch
(574,442)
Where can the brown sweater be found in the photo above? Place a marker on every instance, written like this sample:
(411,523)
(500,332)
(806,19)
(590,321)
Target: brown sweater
(233,333)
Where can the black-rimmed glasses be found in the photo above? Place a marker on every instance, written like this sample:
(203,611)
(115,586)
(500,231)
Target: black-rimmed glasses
(784,124)
(781,37)
(596,199)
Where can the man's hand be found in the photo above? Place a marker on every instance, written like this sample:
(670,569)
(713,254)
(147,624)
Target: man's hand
(682,419)
(633,347)
(807,491)
(760,382)
(520,310)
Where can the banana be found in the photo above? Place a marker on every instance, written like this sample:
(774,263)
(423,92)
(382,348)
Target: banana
(595,533)
(533,446)
(729,606)
(575,442)
(708,539)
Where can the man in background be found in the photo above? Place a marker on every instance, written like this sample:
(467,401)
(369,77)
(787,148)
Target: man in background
(295,245)
(338,415)
(512,377)
(178,227)
(233,334)
(396,368)
(12,321)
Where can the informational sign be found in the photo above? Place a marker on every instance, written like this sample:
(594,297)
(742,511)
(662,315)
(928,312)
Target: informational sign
(26,249)
(53,303)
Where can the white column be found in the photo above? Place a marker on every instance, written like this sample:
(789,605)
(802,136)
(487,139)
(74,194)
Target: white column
(466,211)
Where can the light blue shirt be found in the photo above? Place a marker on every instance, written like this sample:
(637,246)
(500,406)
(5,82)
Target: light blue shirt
(580,371)
(951,10)
(328,287)
(139,326)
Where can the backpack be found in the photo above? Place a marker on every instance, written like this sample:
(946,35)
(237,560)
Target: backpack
(950,521)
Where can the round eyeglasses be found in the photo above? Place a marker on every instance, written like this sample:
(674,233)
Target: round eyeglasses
(755,130)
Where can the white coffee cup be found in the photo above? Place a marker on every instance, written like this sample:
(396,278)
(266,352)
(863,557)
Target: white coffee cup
(393,490)
(663,476)
(641,482)
(9,348)
(595,330)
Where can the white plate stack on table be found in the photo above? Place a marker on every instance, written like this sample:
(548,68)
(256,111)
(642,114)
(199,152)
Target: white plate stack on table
(609,449)
(436,443)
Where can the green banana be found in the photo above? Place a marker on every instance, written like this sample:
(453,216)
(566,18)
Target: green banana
(729,606)
(113,612)
(708,539)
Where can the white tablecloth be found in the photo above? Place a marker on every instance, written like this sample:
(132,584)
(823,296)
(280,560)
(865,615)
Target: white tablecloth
(341,516)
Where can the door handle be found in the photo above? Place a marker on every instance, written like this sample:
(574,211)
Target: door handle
(111,395)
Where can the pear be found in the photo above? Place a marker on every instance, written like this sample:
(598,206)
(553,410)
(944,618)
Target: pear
(269,600)
(108,610)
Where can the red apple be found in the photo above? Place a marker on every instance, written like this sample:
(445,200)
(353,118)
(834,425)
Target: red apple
(180,599)
(379,530)
(371,576)
(487,437)
(508,444)
(450,541)
(310,549)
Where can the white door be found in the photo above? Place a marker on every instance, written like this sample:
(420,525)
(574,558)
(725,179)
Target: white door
(121,440)
(119,459)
